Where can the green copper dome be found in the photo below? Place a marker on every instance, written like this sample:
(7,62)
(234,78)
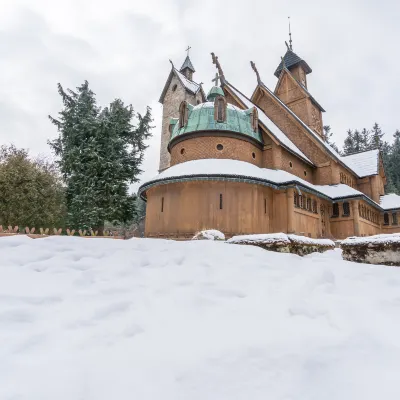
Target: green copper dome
(201,118)
(214,92)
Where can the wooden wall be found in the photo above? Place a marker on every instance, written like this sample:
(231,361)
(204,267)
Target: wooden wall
(192,206)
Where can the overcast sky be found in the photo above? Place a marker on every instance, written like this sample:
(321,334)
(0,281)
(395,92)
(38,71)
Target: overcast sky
(122,48)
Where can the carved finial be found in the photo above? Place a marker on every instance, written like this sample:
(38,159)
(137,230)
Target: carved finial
(256,71)
(218,65)
(290,36)
(287,46)
(172,64)
(283,63)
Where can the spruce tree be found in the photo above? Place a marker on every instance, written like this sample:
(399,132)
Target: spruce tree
(376,137)
(328,137)
(365,140)
(100,152)
(349,143)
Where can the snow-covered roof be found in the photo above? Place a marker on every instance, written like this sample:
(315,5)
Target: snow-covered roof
(390,201)
(363,164)
(330,149)
(189,85)
(245,170)
(274,129)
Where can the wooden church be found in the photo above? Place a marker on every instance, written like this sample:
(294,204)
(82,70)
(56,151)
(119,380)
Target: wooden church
(259,163)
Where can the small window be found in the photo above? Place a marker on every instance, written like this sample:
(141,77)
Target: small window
(265,206)
(162,204)
(174,87)
(253,155)
(171,128)
(335,210)
(309,204)
(346,209)
(305,173)
(290,164)
(198,102)
(386,219)
(301,201)
(220,109)
(315,207)
(182,151)
(296,200)
(183,114)
(220,201)
(220,147)
(394,219)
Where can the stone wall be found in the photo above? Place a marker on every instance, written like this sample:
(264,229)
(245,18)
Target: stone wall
(176,93)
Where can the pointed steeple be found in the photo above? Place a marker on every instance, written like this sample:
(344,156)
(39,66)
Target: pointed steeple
(292,60)
(187,64)
(187,68)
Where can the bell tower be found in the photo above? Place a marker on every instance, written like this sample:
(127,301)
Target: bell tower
(292,89)
(178,87)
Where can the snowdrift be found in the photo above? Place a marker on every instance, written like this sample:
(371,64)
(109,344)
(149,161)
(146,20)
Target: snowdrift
(100,319)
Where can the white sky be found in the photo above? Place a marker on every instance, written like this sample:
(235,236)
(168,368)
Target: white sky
(122,48)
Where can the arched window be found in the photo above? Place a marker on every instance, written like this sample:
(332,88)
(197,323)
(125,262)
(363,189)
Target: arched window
(386,219)
(335,210)
(254,119)
(183,114)
(394,219)
(308,204)
(346,209)
(220,109)
(296,200)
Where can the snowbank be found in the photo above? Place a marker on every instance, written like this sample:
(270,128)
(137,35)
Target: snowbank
(283,243)
(379,249)
(209,234)
(149,319)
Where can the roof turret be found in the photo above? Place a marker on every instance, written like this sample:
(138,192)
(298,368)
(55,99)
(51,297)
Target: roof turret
(187,64)
(291,59)
(214,92)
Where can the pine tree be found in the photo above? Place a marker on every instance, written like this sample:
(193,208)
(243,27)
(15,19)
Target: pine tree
(376,137)
(328,137)
(393,165)
(365,139)
(349,143)
(100,152)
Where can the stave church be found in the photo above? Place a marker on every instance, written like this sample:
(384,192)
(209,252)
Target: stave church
(247,163)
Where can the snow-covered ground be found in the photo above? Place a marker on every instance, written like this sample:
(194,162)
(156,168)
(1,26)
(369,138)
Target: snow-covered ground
(101,319)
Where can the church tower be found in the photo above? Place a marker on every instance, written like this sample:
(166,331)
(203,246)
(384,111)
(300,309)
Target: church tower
(292,89)
(178,87)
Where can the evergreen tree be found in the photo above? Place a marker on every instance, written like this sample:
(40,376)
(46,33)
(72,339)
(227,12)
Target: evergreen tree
(365,140)
(328,137)
(349,143)
(376,138)
(100,152)
(31,191)
(393,165)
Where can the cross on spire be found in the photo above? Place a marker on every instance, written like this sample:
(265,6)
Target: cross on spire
(217,77)
(290,37)
(187,50)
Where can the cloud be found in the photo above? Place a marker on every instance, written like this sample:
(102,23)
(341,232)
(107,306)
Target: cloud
(123,48)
